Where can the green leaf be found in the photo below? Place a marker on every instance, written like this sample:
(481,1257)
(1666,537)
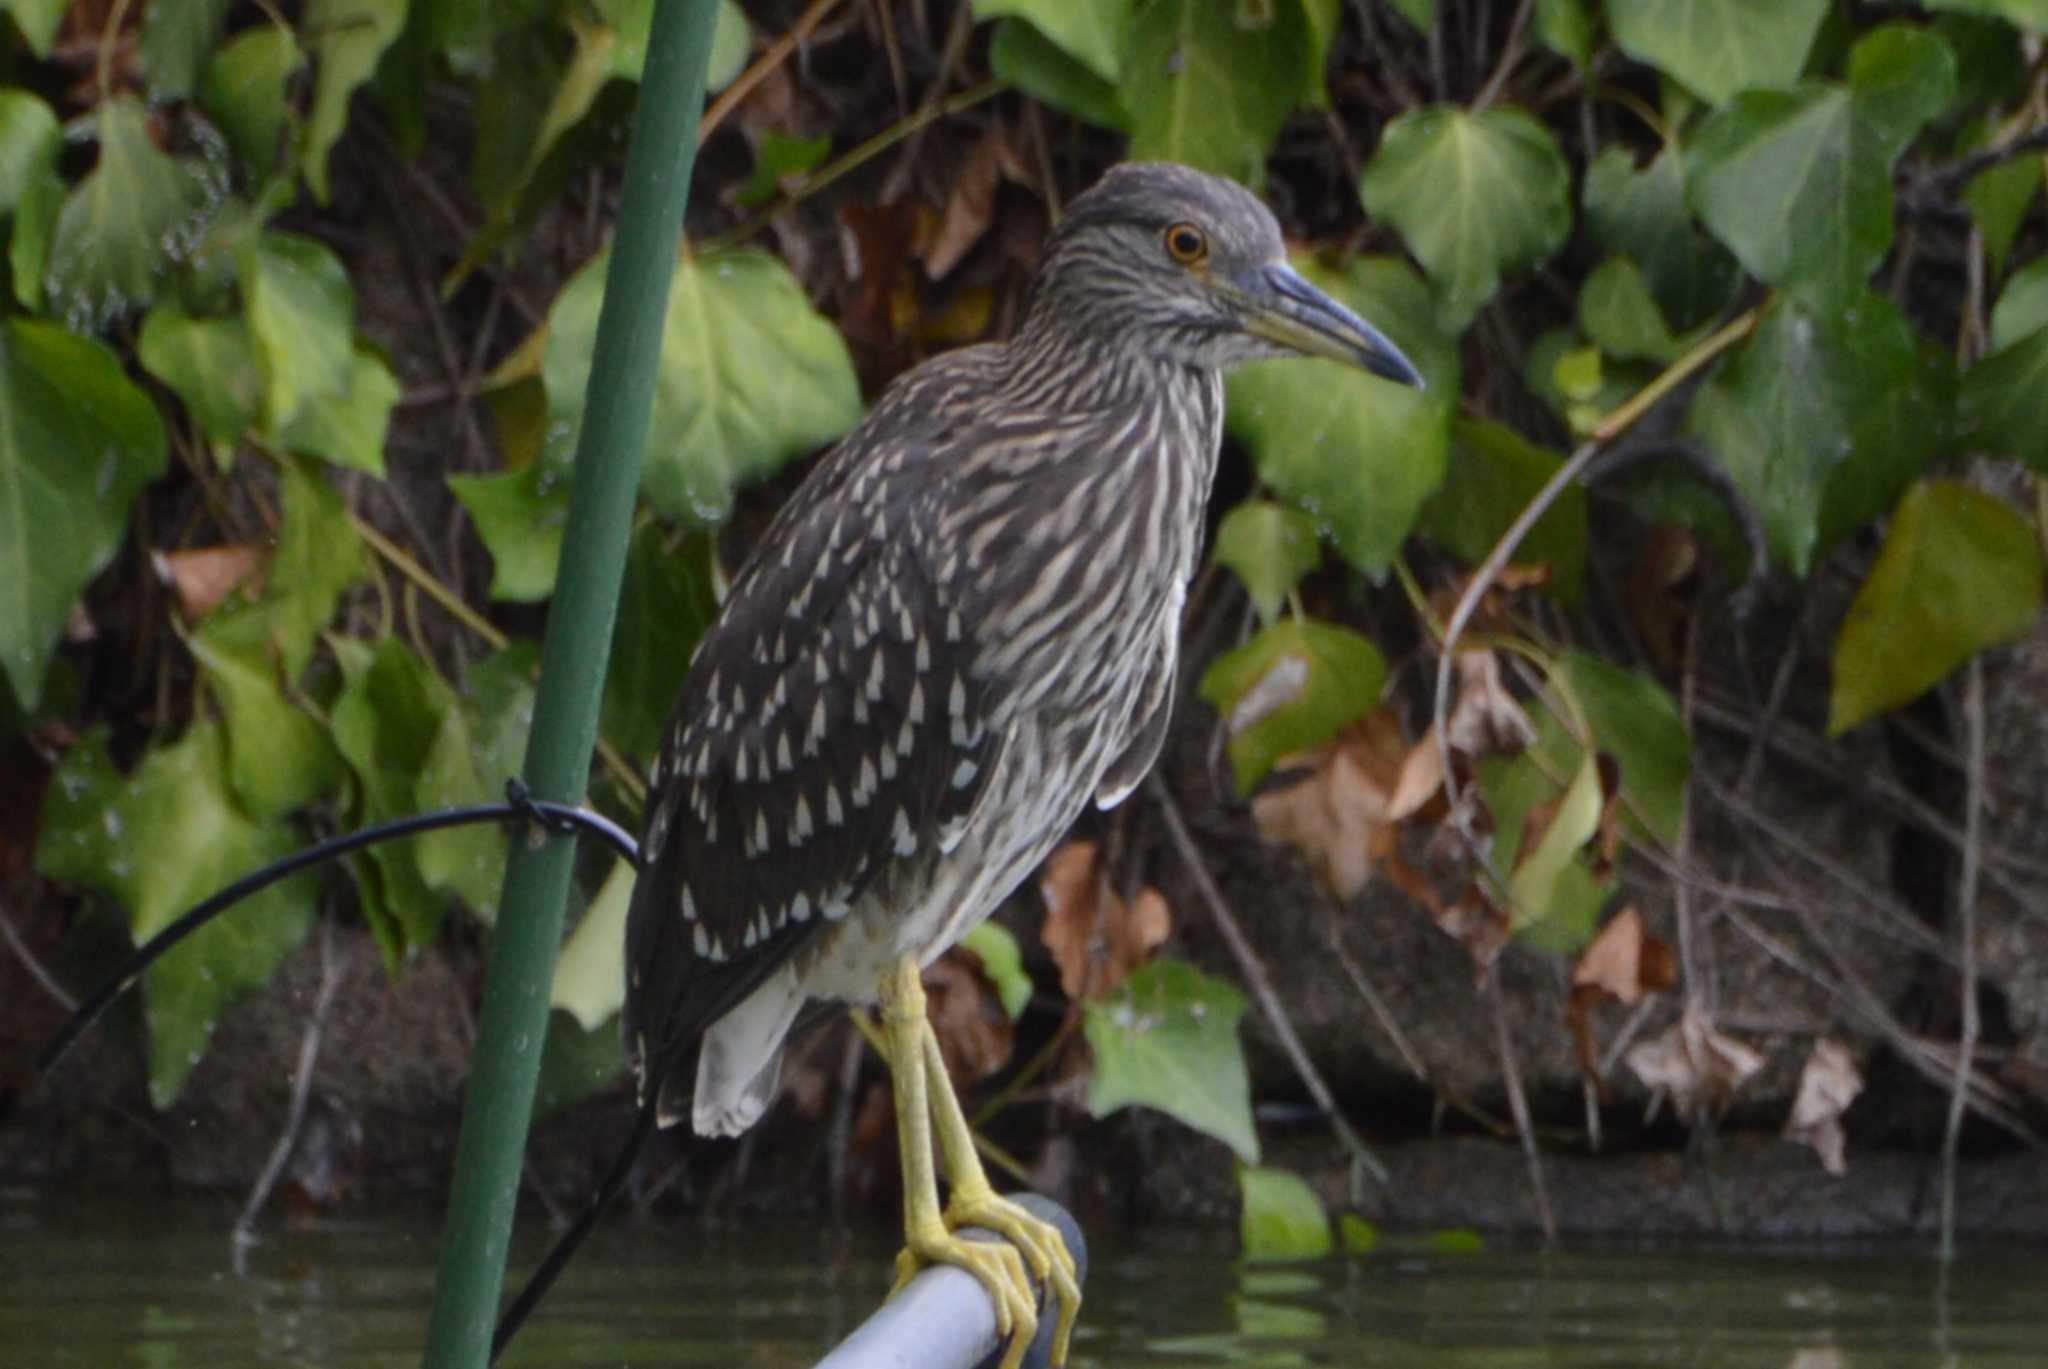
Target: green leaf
(500,696)
(301,311)
(28,141)
(2022,306)
(1359,453)
(1039,67)
(346,38)
(1421,13)
(1290,688)
(1537,882)
(1619,313)
(1206,89)
(1643,215)
(1636,721)
(1474,196)
(751,376)
(209,363)
(132,216)
(1999,199)
(2004,400)
(77,441)
(243,89)
(521,516)
(665,603)
(468,861)
(1817,398)
(1166,1038)
(1360,1236)
(176,37)
(1719,47)
(1555,905)
(1566,28)
(1270,547)
(1820,156)
(279,758)
(37,20)
(157,842)
(1494,473)
(776,156)
(1960,572)
(1003,963)
(347,426)
(590,973)
(1282,1218)
(1089,31)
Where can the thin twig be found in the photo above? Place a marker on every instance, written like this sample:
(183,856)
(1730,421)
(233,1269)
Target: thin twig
(1518,1101)
(50,983)
(1966,918)
(332,970)
(1261,984)
(1510,53)
(774,56)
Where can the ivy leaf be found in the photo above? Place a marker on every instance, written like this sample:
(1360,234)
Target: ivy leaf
(28,141)
(778,155)
(1270,547)
(1619,313)
(1643,214)
(243,90)
(37,20)
(1566,27)
(751,376)
(134,214)
(1092,33)
(301,312)
(1208,90)
(209,363)
(590,973)
(1814,394)
(347,426)
(1282,1218)
(279,758)
(1474,196)
(1820,156)
(665,603)
(1494,473)
(1960,572)
(1166,1038)
(78,440)
(2022,306)
(1636,721)
(157,842)
(1359,453)
(521,516)
(175,41)
(1719,47)
(2004,399)
(346,38)
(1039,67)
(1290,688)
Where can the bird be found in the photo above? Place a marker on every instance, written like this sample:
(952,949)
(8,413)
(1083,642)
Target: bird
(957,634)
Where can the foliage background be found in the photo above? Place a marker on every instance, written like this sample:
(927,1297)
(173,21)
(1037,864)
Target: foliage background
(299,301)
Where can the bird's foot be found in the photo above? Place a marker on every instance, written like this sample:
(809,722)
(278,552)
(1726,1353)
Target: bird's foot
(1028,1242)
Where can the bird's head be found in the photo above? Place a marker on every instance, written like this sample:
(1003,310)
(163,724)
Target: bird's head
(1190,268)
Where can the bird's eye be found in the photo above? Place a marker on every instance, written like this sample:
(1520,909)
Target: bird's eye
(1187,244)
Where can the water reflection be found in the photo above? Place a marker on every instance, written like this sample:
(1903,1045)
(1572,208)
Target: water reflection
(152,1285)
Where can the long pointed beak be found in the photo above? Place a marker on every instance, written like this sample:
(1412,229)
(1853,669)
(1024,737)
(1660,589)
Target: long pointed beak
(1285,309)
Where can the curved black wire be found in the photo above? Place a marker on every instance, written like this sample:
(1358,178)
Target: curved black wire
(556,817)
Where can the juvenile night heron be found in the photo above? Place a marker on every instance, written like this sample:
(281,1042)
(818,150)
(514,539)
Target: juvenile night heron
(960,631)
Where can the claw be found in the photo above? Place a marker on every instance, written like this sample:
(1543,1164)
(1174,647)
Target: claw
(997,1265)
(1040,1244)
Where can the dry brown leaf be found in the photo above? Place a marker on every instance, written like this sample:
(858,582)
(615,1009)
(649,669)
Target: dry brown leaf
(203,576)
(1094,936)
(1699,1066)
(1338,816)
(1625,961)
(1486,720)
(1421,778)
(971,202)
(1827,1085)
(966,1013)
(1479,924)
(1667,560)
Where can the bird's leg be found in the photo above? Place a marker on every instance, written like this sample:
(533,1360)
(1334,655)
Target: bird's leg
(928,1237)
(974,1202)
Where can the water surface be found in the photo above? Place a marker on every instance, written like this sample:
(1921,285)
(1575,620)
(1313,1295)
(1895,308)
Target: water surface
(155,1286)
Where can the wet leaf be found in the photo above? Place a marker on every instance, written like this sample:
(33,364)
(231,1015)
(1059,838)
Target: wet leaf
(1270,547)
(1282,1218)
(590,973)
(665,602)
(1960,572)
(1289,689)
(1474,195)
(1719,47)
(1096,938)
(1493,474)
(1828,1083)
(1339,816)
(1208,90)
(157,842)
(210,363)
(77,442)
(1359,453)
(1820,155)
(243,89)
(125,223)
(751,376)
(1003,962)
(521,516)
(1693,1061)
(1166,1038)
(346,38)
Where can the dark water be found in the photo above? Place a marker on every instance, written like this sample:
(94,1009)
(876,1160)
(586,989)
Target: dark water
(156,1287)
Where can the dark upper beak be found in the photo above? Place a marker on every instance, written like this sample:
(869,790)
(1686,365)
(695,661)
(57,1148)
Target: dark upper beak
(1284,308)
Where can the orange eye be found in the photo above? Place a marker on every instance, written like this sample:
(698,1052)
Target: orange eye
(1187,244)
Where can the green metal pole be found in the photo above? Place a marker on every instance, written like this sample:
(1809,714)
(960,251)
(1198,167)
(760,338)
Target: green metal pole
(529,928)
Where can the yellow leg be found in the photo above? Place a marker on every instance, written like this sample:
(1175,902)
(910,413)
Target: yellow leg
(924,1095)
